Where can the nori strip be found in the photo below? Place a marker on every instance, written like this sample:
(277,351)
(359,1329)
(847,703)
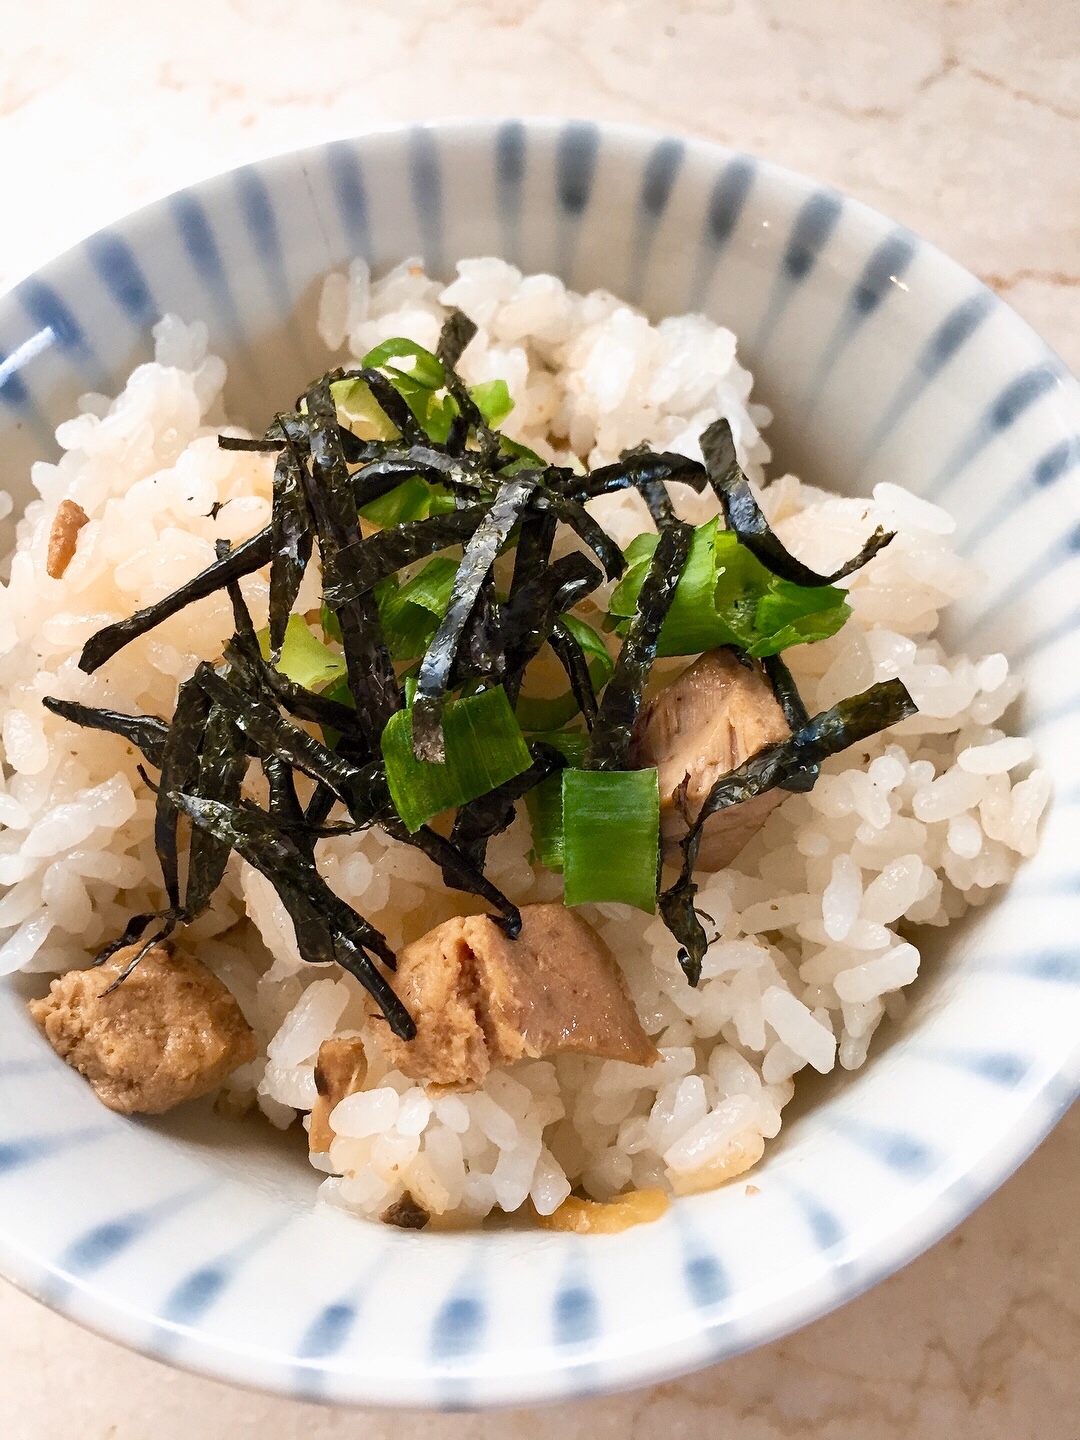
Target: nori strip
(777,766)
(392,404)
(147,733)
(743,515)
(457,869)
(480,652)
(293,538)
(795,713)
(372,680)
(457,331)
(490,814)
(571,513)
(572,658)
(438,663)
(223,763)
(179,770)
(326,927)
(359,567)
(252,555)
(786,692)
(536,536)
(635,468)
(529,617)
(237,442)
(362,789)
(246,659)
(614,724)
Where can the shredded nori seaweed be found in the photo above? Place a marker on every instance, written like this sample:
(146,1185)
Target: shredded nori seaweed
(743,515)
(438,663)
(777,766)
(612,730)
(147,733)
(252,555)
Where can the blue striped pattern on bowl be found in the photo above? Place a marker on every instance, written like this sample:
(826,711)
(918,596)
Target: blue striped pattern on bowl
(193,1239)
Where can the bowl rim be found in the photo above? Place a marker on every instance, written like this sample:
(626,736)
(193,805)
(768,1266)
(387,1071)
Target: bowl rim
(1044,1103)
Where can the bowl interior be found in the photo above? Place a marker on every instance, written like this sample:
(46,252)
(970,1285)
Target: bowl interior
(193,1237)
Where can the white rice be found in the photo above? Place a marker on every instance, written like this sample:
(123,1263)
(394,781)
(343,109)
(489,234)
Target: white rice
(813,920)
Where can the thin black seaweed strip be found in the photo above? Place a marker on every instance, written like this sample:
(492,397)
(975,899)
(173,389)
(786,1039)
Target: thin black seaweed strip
(574,514)
(458,330)
(834,730)
(458,871)
(305,704)
(236,442)
(359,567)
(179,769)
(456,334)
(132,931)
(294,536)
(349,937)
(269,733)
(394,407)
(533,553)
(223,762)
(252,555)
(658,502)
(146,732)
(633,469)
(530,616)
(611,733)
(476,823)
(372,680)
(254,827)
(744,516)
(481,653)
(438,663)
(786,692)
(572,658)
(144,949)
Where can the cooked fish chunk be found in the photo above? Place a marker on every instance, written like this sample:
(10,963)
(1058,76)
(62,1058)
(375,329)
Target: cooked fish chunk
(340,1070)
(481,1000)
(712,719)
(169,1033)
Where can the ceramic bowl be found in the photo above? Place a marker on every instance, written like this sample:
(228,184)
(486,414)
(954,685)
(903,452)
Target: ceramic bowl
(194,1239)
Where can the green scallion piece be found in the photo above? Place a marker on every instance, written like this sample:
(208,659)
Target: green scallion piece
(610,837)
(726,596)
(304,659)
(484,748)
(492,399)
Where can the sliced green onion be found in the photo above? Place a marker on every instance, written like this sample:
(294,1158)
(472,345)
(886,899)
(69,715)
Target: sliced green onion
(357,406)
(544,803)
(427,368)
(536,713)
(611,837)
(727,597)
(413,499)
(304,659)
(492,399)
(484,748)
(410,613)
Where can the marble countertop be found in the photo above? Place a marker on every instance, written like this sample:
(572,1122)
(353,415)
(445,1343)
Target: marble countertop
(960,118)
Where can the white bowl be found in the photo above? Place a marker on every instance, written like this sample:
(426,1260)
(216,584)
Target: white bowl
(194,1239)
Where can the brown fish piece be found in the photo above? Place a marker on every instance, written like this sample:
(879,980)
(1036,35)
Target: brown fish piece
(481,1000)
(169,1033)
(717,715)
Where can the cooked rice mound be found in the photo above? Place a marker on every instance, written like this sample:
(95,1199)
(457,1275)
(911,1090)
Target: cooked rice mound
(813,921)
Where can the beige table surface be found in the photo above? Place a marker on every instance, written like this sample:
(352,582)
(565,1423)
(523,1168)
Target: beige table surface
(960,118)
